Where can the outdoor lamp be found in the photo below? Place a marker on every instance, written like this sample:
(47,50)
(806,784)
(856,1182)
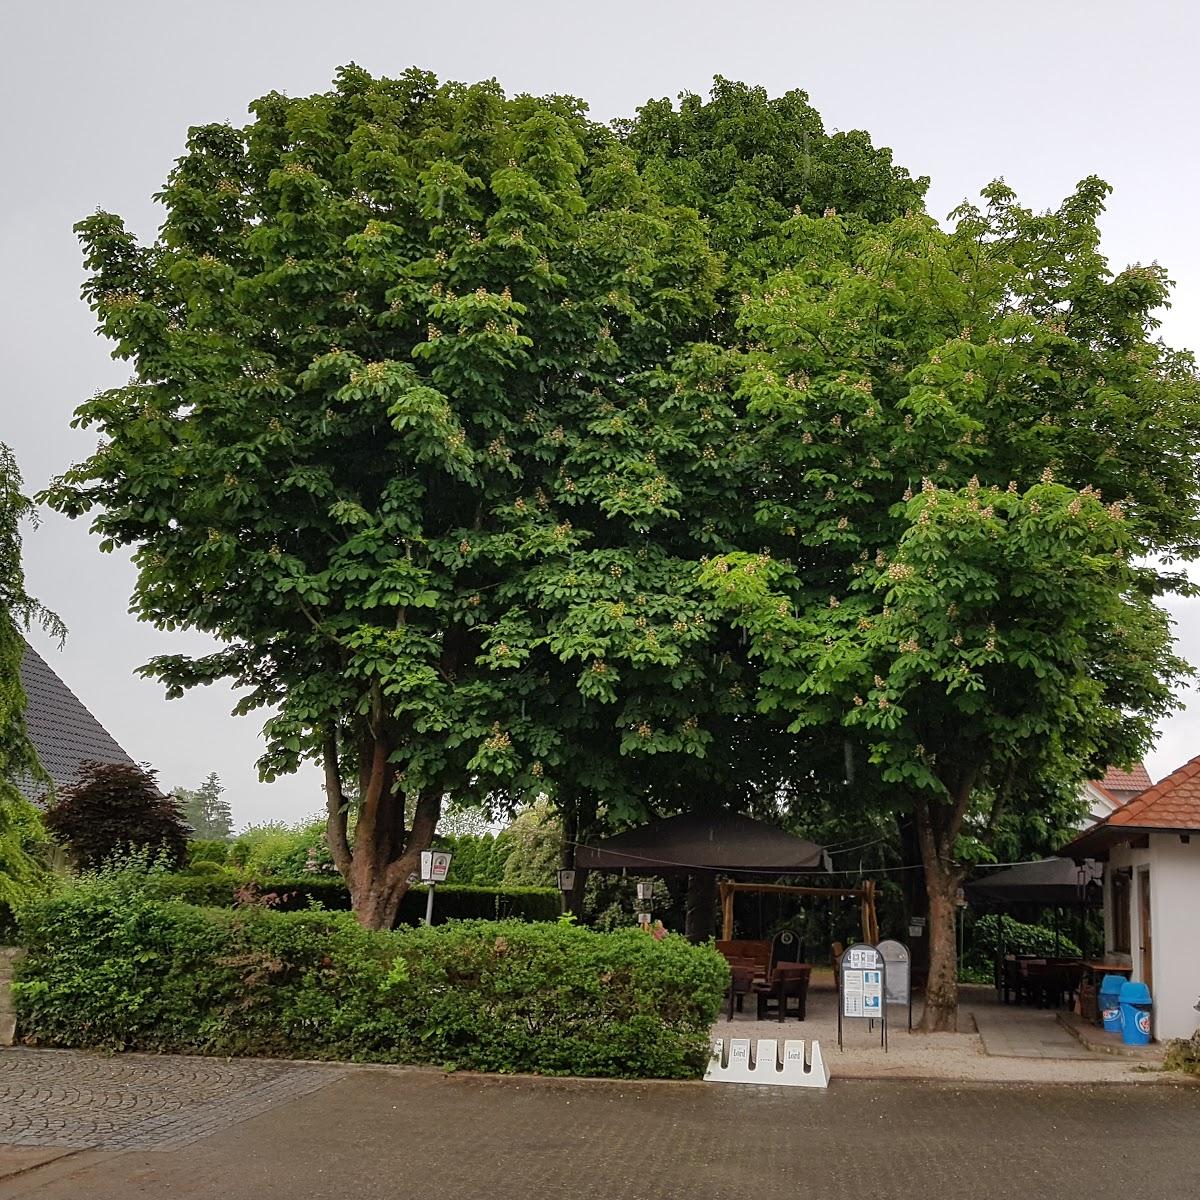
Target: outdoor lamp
(645,890)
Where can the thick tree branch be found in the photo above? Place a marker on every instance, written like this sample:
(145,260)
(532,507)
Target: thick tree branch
(335,805)
(420,836)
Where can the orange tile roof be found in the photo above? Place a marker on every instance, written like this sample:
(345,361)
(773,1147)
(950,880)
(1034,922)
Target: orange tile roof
(1135,780)
(1172,803)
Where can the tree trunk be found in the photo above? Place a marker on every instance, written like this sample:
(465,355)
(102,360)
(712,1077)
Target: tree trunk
(385,855)
(941,992)
(578,818)
(938,824)
(701,906)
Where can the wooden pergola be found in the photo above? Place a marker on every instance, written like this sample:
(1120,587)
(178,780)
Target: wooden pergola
(865,895)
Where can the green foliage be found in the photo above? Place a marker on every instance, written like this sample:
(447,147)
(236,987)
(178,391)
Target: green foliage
(116,808)
(477,858)
(207,852)
(974,463)
(23,842)
(22,838)
(749,162)
(534,839)
(375,350)
(206,866)
(463,820)
(109,965)
(961,486)
(277,848)
(399,434)
(991,934)
(203,809)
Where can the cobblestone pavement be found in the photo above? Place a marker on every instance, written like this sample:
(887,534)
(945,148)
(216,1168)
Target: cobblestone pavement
(67,1100)
(394,1133)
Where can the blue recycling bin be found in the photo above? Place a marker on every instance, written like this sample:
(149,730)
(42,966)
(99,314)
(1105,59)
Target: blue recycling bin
(1109,1002)
(1136,1007)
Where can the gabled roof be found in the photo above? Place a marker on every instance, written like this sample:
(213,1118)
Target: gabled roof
(64,733)
(1172,803)
(1170,806)
(1124,785)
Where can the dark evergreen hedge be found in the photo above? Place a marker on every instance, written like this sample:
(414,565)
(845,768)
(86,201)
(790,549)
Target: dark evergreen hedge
(453,902)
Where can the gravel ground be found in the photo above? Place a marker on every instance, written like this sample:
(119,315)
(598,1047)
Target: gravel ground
(959,1057)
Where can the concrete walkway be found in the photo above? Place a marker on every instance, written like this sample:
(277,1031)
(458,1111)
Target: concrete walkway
(1008,1031)
(376,1133)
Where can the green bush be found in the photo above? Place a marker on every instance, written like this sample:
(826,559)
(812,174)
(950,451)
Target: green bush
(205,867)
(207,851)
(111,965)
(23,843)
(280,849)
(992,933)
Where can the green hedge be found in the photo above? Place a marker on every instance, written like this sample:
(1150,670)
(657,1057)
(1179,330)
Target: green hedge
(453,902)
(109,965)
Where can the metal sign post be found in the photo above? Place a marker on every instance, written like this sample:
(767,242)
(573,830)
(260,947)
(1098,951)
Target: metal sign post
(898,964)
(645,895)
(863,984)
(435,866)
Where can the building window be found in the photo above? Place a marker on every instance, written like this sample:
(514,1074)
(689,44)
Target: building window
(1122,889)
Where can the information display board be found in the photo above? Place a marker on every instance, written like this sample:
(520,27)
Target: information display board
(862,985)
(898,963)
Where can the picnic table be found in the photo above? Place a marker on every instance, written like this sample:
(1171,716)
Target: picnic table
(773,985)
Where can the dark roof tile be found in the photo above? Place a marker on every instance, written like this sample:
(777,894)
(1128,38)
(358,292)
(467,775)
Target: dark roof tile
(63,731)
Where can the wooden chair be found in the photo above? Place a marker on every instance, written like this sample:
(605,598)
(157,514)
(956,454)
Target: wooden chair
(746,949)
(741,983)
(786,947)
(789,981)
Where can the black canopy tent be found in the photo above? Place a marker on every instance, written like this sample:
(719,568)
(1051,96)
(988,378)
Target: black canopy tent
(1048,883)
(1054,883)
(697,842)
(727,844)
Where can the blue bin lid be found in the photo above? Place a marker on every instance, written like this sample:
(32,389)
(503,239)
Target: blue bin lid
(1135,993)
(1112,984)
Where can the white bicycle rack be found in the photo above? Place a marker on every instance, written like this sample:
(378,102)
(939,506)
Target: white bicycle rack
(766,1066)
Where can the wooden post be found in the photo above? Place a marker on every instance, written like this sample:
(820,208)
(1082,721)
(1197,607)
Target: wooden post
(726,910)
(873,916)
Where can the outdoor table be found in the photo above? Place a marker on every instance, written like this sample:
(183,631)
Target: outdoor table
(1098,970)
(1089,989)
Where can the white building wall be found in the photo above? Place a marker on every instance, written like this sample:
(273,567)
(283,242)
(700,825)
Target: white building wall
(1175,932)
(1120,858)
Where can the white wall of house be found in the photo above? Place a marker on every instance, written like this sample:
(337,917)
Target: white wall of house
(1174,868)
(1099,805)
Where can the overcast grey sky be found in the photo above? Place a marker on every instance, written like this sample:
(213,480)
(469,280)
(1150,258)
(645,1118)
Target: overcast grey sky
(96,99)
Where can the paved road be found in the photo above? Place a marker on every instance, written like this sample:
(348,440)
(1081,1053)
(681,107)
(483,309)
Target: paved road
(274,1131)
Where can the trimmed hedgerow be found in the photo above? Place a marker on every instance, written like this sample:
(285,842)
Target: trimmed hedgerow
(110,965)
(454,902)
